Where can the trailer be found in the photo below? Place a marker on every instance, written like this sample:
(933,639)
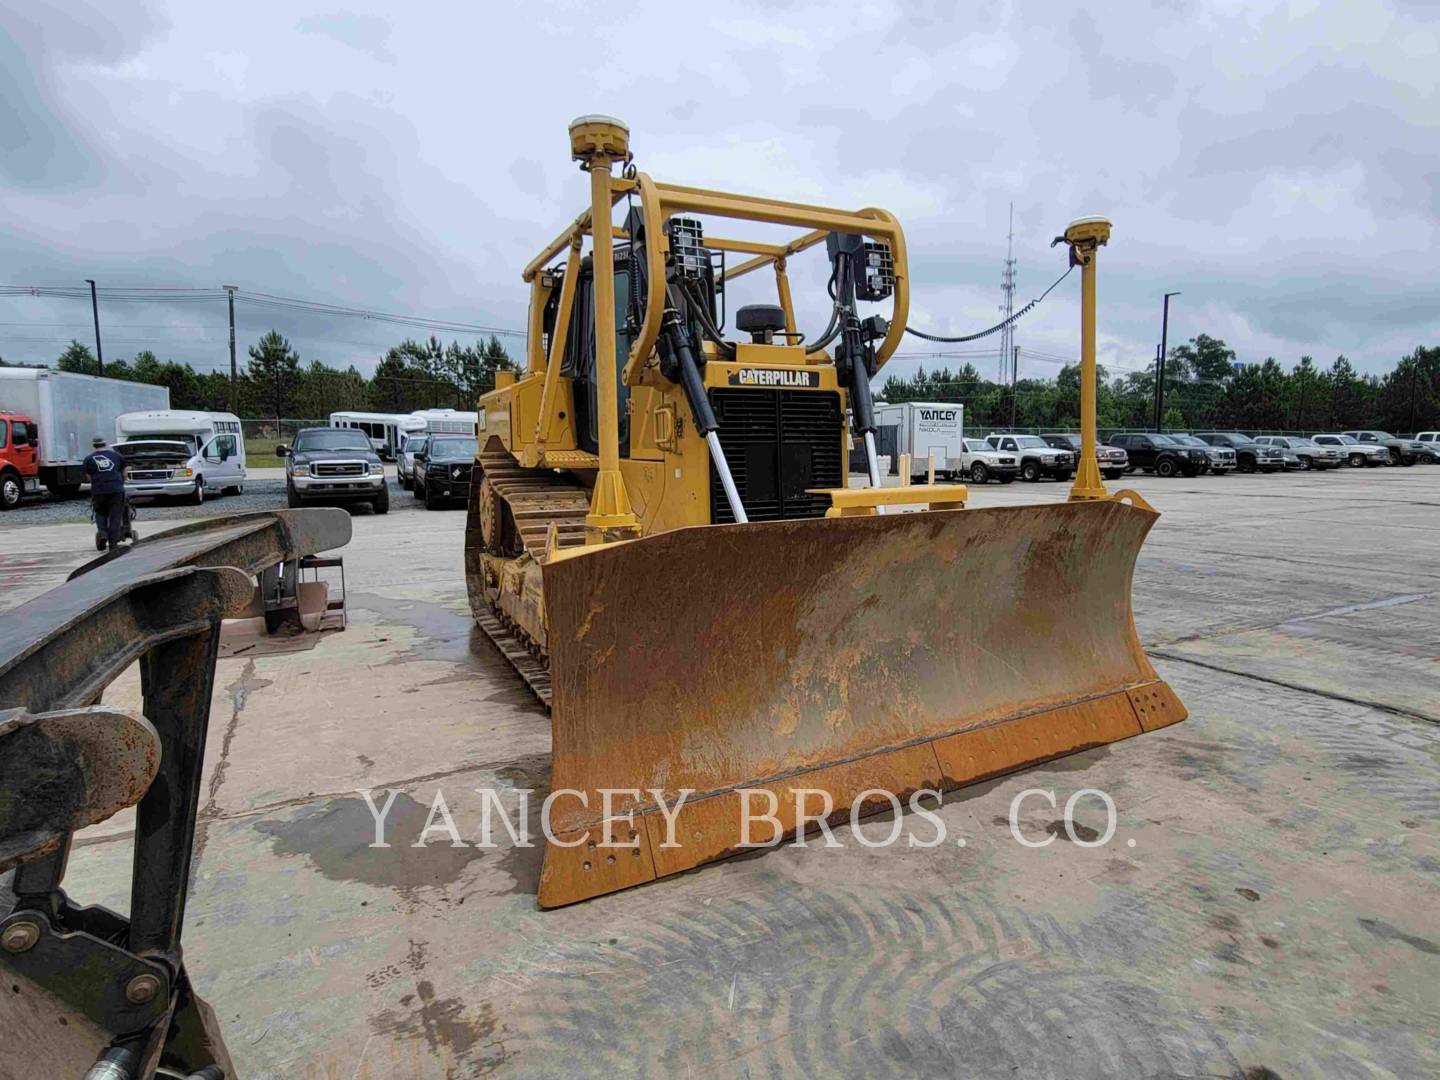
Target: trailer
(67,411)
(924,430)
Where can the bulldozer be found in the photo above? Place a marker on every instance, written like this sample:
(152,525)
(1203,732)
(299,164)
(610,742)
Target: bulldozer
(663,538)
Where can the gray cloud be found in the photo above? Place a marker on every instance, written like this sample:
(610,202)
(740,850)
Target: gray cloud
(1276,167)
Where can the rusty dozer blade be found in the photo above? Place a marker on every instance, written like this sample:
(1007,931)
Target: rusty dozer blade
(836,656)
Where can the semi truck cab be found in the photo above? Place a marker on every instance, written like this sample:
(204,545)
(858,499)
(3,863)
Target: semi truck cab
(19,459)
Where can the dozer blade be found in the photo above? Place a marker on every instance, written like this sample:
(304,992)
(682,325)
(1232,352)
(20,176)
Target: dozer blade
(841,655)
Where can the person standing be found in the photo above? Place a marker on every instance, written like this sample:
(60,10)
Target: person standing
(105,469)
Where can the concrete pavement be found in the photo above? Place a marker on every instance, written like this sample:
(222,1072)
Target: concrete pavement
(1267,905)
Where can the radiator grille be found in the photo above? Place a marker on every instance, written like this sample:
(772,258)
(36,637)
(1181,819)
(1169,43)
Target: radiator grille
(339,468)
(778,444)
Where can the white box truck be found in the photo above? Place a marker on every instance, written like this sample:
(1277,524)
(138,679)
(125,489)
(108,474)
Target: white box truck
(924,429)
(68,411)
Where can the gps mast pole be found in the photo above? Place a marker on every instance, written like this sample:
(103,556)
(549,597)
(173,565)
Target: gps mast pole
(1085,237)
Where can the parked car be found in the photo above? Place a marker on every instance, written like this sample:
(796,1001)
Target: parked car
(405,460)
(1309,453)
(1431,439)
(1250,456)
(1219,459)
(1037,457)
(442,470)
(979,462)
(1402,451)
(1160,454)
(334,465)
(1113,460)
(1355,453)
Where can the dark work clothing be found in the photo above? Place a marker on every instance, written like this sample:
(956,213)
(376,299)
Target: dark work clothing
(110,515)
(105,469)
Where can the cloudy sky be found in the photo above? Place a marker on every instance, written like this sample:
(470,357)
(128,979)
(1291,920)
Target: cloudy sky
(1274,162)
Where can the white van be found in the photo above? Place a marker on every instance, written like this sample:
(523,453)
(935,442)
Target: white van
(174,453)
(386,431)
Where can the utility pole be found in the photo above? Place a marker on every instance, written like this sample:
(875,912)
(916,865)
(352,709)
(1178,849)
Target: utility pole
(1160,363)
(234,374)
(95,310)
(1014,383)
(1007,289)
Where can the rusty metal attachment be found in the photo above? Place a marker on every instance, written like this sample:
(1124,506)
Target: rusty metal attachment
(924,656)
(120,981)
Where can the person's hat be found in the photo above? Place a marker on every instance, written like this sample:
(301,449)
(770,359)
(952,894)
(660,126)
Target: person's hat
(97,442)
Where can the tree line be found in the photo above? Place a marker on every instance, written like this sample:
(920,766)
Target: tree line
(1205,389)
(273,382)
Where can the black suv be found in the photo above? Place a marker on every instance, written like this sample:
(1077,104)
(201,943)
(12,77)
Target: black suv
(1249,455)
(1160,454)
(334,465)
(442,470)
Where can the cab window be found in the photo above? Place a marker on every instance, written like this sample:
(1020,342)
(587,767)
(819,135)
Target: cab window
(4,434)
(22,434)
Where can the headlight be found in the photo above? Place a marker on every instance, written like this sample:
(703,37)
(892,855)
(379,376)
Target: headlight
(299,470)
(377,469)
(181,474)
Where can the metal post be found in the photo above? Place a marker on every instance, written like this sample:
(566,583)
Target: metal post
(1085,238)
(599,141)
(234,373)
(1159,378)
(1164,345)
(95,310)
(1014,383)
(176,679)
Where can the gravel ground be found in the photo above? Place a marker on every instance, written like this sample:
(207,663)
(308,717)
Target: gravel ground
(259,495)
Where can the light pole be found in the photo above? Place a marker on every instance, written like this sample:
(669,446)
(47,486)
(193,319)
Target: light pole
(1160,364)
(95,310)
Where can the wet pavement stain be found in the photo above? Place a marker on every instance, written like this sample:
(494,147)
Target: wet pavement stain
(469,1045)
(1382,929)
(336,839)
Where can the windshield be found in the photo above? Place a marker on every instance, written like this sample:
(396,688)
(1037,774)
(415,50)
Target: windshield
(331,439)
(1031,440)
(1070,441)
(453,449)
(1303,442)
(1164,440)
(978,445)
(1187,440)
(189,438)
(1348,440)
(1382,435)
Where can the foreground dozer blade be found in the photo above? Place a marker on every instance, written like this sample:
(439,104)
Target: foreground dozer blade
(841,655)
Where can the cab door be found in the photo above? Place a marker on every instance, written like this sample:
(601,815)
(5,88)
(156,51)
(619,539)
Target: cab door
(222,462)
(23,450)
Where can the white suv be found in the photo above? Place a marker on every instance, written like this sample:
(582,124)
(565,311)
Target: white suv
(1311,454)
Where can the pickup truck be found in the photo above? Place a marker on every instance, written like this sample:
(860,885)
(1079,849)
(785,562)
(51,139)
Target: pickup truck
(1159,454)
(1250,455)
(1402,451)
(334,464)
(1221,458)
(1037,457)
(1356,454)
(979,462)
(1309,453)
(1113,460)
(1431,439)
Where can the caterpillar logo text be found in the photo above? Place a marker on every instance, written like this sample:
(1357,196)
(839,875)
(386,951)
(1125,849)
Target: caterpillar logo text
(774,377)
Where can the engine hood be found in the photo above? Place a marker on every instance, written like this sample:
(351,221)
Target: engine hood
(154,452)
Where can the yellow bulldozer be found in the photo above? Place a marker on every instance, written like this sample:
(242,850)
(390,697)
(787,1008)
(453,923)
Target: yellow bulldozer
(733,641)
